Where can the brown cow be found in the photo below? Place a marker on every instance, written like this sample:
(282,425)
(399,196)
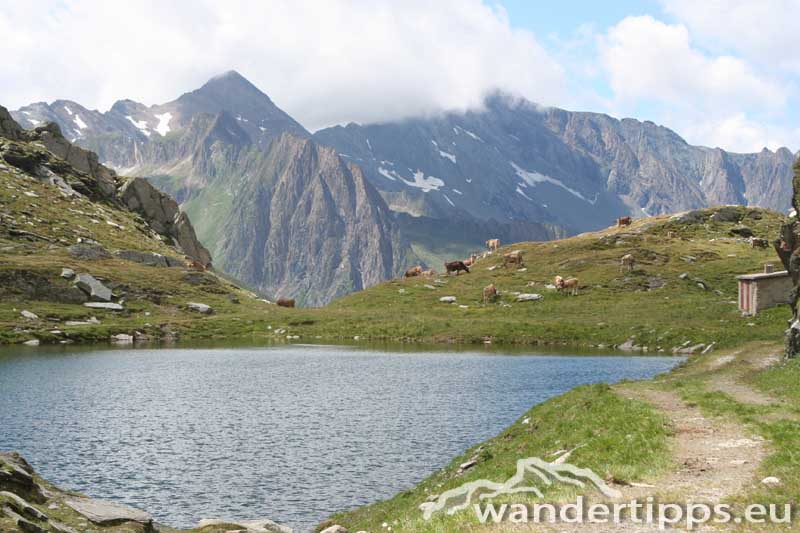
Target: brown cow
(755,242)
(471,261)
(489,293)
(413,272)
(194,264)
(456,266)
(512,258)
(627,261)
(624,221)
(493,244)
(285,302)
(569,283)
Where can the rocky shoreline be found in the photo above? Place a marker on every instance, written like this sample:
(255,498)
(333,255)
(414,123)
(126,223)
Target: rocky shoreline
(30,504)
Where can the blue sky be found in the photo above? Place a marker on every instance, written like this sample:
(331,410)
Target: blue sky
(751,104)
(719,72)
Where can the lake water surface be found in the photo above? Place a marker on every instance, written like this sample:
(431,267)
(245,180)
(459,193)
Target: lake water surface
(289,433)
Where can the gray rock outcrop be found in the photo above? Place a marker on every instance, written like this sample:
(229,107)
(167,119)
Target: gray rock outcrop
(93,287)
(164,216)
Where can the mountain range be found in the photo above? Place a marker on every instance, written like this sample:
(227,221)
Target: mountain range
(315,216)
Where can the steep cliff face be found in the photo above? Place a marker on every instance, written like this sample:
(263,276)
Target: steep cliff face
(309,225)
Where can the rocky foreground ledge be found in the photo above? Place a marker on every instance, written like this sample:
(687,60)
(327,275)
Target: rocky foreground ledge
(29,504)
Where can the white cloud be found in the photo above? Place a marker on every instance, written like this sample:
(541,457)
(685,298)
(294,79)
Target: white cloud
(763,30)
(738,133)
(719,100)
(323,62)
(649,59)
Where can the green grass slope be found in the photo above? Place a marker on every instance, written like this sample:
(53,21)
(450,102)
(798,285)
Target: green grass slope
(653,304)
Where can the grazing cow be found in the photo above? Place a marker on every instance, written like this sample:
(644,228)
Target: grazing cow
(569,283)
(285,302)
(471,261)
(755,242)
(194,264)
(428,273)
(624,221)
(489,293)
(456,266)
(627,261)
(413,272)
(493,244)
(512,258)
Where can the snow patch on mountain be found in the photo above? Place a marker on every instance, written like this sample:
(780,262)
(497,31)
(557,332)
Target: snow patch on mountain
(448,155)
(421,181)
(521,192)
(78,122)
(140,124)
(449,201)
(534,178)
(163,123)
(388,174)
(68,110)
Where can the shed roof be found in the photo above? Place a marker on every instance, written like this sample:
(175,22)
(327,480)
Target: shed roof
(762,275)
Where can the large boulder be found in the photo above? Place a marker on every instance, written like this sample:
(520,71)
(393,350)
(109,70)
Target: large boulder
(107,513)
(163,215)
(87,251)
(93,287)
(83,160)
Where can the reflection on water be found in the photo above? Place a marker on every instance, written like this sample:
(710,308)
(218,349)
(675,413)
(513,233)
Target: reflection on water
(290,433)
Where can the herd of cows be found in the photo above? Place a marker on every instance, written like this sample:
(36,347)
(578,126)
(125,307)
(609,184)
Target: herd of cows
(514,258)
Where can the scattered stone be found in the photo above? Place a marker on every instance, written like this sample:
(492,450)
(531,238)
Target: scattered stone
(200,308)
(463,307)
(429,287)
(32,342)
(689,350)
(255,526)
(689,258)
(685,275)
(528,297)
(491,268)
(467,465)
(336,528)
(91,286)
(22,506)
(527,420)
(104,305)
(448,299)
(107,513)
(67,273)
(150,258)
(22,523)
(122,338)
(523,269)
(27,315)
(771,480)
(708,348)
(88,251)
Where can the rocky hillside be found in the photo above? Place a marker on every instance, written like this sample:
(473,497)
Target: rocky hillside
(87,255)
(517,161)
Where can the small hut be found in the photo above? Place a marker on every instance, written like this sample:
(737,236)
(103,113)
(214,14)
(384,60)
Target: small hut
(764,290)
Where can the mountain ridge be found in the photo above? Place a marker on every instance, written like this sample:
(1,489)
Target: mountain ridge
(512,170)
